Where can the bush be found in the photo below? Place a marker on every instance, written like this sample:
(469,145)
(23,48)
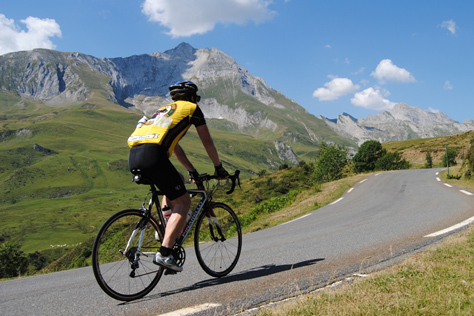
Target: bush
(13,261)
(468,174)
(391,161)
(450,157)
(270,206)
(330,162)
(262,173)
(429,160)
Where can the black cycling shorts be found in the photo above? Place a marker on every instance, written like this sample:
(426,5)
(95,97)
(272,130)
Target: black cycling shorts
(155,165)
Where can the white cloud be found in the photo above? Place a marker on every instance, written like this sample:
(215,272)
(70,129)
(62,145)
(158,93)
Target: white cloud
(450,26)
(372,99)
(38,34)
(387,71)
(361,70)
(189,17)
(335,88)
(448,85)
(433,110)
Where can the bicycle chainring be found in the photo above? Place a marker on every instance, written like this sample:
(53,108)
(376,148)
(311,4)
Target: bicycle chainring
(179,255)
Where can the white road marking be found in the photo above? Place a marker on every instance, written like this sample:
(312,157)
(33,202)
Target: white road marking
(191,310)
(437,173)
(454,227)
(350,190)
(297,219)
(466,192)
(363,181)
(437,178)
(338,200)
(448,185)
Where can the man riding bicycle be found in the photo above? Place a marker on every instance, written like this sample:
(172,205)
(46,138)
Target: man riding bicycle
(152,144)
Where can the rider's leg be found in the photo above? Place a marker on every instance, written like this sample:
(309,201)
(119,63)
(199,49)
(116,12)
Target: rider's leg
(177,221)
(175,224)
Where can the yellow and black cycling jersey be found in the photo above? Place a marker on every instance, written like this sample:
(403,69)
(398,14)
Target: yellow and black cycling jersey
(167,126)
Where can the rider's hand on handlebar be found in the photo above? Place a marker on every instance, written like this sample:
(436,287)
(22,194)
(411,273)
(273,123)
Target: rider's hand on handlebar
(221,173)
(193,175)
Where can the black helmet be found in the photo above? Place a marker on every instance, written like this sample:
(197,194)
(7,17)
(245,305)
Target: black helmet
(184,90)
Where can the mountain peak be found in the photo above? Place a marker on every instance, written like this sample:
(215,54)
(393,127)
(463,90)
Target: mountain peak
(350,116)
(183,50)
(405,112)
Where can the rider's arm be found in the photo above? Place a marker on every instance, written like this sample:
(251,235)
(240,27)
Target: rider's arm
(182,158)
(208,143)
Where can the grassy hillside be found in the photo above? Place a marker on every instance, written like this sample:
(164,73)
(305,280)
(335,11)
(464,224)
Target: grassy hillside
(415,150)
(56,196)
(62,194)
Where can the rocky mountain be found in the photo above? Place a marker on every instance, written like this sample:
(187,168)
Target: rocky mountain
(232,99)
(402,122)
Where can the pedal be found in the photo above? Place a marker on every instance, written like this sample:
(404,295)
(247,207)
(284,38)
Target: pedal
(170,272)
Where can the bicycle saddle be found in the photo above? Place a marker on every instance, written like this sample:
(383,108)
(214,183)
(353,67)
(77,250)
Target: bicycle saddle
(138,177)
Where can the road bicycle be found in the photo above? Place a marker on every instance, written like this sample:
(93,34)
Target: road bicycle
(124,248)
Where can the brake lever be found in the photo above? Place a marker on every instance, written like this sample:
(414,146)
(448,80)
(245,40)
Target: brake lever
(235,178)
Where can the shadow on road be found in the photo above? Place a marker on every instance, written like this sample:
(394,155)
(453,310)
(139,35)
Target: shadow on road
(254,273)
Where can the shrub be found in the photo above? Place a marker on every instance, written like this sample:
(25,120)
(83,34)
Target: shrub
(391,161)
(13,261)
(449,157)
(429,160)
(330,162)
(270,206)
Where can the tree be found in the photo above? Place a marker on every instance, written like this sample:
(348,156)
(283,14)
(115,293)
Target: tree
(429,160)
(330,162)
(391,161)
(470,160)
(13,261)
(369,152)
(450,157)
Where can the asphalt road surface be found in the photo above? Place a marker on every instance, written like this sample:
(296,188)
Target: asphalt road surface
(379,221)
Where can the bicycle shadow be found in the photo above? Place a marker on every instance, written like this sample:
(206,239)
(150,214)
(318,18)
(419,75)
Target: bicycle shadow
(254,273)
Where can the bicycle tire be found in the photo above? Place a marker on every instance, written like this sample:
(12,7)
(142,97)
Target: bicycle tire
(113,270)
(218,253)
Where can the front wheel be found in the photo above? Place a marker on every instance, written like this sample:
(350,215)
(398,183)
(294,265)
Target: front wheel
(218,240)
(122,255)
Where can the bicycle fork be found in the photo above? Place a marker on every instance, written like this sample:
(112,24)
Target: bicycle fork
(212,218)
(133,254)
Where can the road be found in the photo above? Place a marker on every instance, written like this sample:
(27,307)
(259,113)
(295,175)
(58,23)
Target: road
(377,222)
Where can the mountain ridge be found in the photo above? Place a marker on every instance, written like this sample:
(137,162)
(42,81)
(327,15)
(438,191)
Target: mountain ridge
(232,99)
(402,122)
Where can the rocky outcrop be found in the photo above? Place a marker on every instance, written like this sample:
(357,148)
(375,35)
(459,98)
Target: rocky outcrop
(402,122)
(43,150)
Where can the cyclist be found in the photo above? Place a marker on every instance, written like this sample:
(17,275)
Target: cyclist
(152,144)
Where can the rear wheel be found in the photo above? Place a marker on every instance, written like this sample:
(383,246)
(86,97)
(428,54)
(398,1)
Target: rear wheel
(218,240)
(127,275)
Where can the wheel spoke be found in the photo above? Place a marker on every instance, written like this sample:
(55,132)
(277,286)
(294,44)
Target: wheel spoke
(218,254)
(113,270)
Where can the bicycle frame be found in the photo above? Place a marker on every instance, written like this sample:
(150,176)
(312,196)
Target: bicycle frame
(194,215)
(162,226)
(141,226)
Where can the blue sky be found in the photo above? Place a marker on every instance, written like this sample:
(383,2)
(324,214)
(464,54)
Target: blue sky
(359,57)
